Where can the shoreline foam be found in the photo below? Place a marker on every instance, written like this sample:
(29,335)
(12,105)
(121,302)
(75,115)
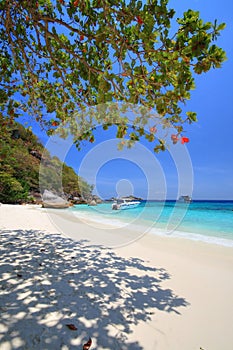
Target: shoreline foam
(208,237)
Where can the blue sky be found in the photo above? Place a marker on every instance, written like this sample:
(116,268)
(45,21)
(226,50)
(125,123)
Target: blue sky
(211,142)
(211,146)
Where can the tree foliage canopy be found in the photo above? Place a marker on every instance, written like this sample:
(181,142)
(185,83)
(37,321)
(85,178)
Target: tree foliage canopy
(59,57)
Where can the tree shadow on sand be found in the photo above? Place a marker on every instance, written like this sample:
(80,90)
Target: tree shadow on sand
(48,281)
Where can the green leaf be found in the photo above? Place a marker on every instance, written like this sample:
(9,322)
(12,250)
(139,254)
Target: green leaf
(139,5)
(192,116)
(221,26)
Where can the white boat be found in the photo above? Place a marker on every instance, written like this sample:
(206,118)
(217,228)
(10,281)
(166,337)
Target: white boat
(122,204)
(185,199)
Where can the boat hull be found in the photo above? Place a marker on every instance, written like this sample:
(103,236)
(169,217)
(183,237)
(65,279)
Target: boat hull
(125,206)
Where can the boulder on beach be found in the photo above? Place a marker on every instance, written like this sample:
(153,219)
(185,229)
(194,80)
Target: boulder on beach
(92,202)
(51,200)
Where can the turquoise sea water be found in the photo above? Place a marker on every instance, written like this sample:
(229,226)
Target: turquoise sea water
(209,221)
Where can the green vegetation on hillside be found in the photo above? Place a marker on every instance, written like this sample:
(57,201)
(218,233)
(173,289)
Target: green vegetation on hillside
(20,158)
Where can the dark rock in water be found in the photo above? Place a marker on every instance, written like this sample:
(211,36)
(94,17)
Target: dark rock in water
(90,200)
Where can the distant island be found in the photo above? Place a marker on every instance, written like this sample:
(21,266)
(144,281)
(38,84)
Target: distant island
(130,197)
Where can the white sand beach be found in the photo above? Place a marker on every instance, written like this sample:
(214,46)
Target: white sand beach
(159,293)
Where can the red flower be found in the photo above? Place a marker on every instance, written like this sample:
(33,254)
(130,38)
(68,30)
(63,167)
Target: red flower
(81,37)
(184,140)
(139,20)
(153,129)
(174,138)
(55,123)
